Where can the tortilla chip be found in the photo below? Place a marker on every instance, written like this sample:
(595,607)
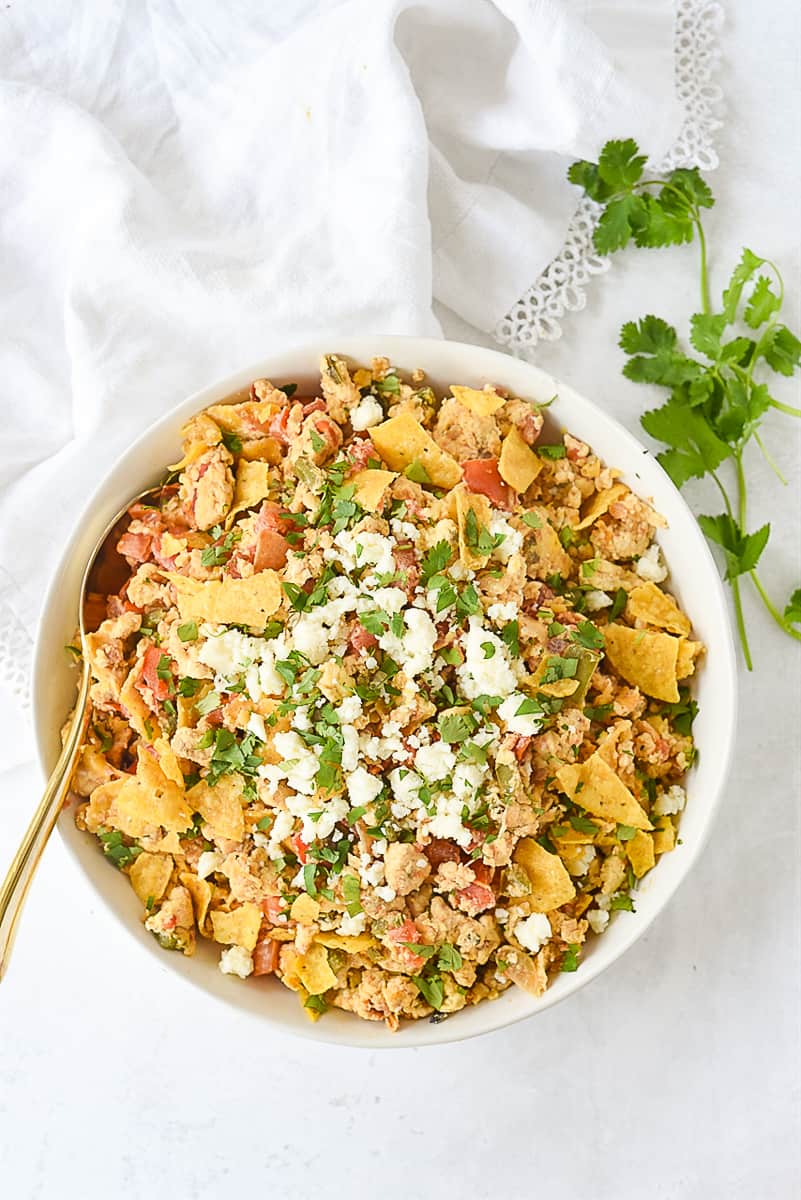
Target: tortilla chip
(201,892)
(518,465)
(544,550)
(640,853)
(551,885)
(401,440)
(362,377)
(600,503)
(252,485)
(150,874)
(370,486)
(353,943)
(248,601)
(240,927)
(664,836)
(267,449)
(220,806)
(484,403)
(313,970)
(646,660)
(607,576)
(571,837)
(168,762)
(138,713)
(304,910)
(480,507)
(171,545)
(649,603)
(199,434)
(595,787)
(685,661)
(245,419)
(149,800)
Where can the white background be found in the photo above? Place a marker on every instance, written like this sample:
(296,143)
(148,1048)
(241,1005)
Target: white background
(675,1075)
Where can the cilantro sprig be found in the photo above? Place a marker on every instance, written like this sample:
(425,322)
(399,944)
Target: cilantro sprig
(719,394)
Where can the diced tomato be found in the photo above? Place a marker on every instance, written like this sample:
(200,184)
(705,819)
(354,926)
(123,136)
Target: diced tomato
(271,551)
(331,434)
(300,848)
(311,406)
(407,932)
(359,453)
(278,425)
(360,638)
(475,898)
(136,546)
(482,872)
(406,562)
(273,907)
(482,475)
(530,427)
(265,956)
(159,687)
(273,516)
(440,850)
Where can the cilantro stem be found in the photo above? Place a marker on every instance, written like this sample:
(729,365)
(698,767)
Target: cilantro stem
(768,458)
(785,408)
(735,582)
(774,612)
(706,303)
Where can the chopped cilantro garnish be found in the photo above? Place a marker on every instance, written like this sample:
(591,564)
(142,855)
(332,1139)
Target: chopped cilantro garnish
(115,848)
(583,825)
(488,648)
(510,636)
(626,832)
(417,472)
(457,726)
(232,442)
(599,713)
(351,893)
(431,989)
(551,452)
(587,635)
(532,519)
(208,704)
(435,560)
(621,902)
(188,631)
(478,537)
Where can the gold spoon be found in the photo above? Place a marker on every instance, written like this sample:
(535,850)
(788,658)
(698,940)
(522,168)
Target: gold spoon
(105,573)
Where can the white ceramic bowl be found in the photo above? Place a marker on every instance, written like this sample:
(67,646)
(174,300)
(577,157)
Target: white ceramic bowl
(694,578)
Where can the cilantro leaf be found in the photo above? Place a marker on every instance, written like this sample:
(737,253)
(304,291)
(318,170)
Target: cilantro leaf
(695,447)
(431,989)
(457,726)
(762,304)
(619,165)
(782,350)
(742,273)
(742,550)
(792,610)
(435,561)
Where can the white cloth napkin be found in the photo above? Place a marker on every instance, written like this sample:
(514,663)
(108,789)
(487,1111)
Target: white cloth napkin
(184,185)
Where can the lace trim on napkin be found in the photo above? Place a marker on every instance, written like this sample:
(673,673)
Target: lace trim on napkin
(561,287)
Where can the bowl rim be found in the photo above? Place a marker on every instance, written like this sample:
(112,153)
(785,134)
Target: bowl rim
(399,347)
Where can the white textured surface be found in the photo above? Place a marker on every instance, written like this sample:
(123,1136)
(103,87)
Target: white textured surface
(673,1076)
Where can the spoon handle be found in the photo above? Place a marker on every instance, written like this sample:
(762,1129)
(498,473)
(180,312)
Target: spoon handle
(16,883)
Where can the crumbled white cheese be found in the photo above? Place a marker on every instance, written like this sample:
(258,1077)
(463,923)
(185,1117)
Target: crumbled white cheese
(350,748)
(352,926)
(385,892)
(524,724)
(580,862)
(349,709)
(367,413)
(256,726)
(651,565)
(596,600)
(310,636)
(414,651)
(299,762)
(230,652)
(533,932)
(479,675)
(362,787)
(405,787)
(236,961)
(467,779)
(502,612)
(404,531)
(282,826)
(671,801)
(512,538)
(447,821)
(209,861)
(364,548)
(597,919)
(435,762)
(373,874)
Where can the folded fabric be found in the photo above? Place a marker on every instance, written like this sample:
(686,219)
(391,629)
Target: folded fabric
(185,186)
